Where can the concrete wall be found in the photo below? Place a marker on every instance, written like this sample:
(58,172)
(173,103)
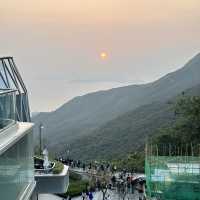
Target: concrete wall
(52,183)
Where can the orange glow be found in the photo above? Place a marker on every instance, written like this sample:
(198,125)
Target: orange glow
(103,55)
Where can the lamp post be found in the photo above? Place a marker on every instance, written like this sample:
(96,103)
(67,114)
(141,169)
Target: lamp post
(40,135)
(68,151)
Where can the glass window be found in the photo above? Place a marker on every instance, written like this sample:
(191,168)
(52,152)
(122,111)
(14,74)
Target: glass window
(16,169)
(7,108)
(2,77)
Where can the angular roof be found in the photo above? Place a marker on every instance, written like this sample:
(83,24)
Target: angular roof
(10,79)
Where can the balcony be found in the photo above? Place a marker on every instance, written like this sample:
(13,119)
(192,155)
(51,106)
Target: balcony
(16,161)
(53,180)
(7,108)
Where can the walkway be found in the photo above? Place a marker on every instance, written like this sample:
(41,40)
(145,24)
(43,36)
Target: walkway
(97,196)
(113,196)
(49,197)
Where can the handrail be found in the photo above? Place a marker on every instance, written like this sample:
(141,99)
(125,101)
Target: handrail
(8,115)
(6,57)
(6,91)
(12,122)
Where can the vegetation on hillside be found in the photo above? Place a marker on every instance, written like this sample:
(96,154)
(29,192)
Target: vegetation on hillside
(186,129)
(129,132)
(125,134)
(133,162)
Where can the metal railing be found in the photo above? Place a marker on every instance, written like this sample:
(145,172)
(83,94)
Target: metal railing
(10,78)
(7,108)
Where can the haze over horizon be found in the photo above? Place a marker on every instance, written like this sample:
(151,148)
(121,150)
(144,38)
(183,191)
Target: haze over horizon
(57,44)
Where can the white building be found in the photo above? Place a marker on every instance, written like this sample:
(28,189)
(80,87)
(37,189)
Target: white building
(17,174)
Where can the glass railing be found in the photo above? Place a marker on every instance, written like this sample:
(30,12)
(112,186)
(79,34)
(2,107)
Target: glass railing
(16,169)
(7,108)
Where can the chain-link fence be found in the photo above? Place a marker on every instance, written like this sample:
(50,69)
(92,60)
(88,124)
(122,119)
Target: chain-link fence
(173,172)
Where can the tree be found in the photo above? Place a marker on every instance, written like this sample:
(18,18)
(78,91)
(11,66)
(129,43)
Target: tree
(122,190)
(101,181)
(186,128)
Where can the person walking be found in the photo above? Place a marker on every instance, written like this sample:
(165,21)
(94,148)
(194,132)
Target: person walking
(84,196)
(90,196)
(69,198)
(133,184)
(87,193)
(113,180)
(140,189)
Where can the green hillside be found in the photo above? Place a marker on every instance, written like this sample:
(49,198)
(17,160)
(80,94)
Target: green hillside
(128,132)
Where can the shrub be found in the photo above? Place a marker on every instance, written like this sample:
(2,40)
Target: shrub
(58,168)
(76,185)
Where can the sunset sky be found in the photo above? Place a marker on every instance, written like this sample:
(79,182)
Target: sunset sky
(57,44)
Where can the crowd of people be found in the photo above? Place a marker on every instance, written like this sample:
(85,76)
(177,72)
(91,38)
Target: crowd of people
(122,182)
(129,183)
(95,166)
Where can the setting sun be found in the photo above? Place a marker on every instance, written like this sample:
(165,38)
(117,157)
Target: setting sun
(103,55)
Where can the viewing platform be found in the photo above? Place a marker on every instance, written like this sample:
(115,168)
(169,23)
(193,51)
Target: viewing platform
(54,180)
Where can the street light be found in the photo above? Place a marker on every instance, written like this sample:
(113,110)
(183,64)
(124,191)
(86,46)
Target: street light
(68,151)
(40,135)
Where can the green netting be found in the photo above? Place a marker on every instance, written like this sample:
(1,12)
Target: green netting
(173,174)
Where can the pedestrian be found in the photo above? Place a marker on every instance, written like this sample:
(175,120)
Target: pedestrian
(90,166)
(133,183)
(69,198)
(83,166)
(102,167)
(140,189)
(121,176)
(98,183)
(90,195)
(84,196)
(113,180)
(87,193)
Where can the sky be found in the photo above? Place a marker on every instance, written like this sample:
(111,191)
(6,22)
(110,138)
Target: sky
(57,43)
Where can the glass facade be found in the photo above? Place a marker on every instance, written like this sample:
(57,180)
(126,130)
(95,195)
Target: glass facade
(7,108)
(16,169)
(16,161)
(10,79)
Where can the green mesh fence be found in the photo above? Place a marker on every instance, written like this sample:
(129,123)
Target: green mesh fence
(173,173)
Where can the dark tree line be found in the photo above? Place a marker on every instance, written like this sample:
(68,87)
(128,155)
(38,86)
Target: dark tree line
(185,132)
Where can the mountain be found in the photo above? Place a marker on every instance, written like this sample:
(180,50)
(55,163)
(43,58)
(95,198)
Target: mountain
(128,132)
(124,134)
(83,115)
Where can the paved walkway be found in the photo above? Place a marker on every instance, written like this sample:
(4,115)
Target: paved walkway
(49,197)
(97,196)
(112,196)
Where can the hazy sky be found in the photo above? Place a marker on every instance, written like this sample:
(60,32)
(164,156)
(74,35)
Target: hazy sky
(56,43)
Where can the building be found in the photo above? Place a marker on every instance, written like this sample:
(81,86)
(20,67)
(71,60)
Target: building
(16,147)
(173,172)
(18,180)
